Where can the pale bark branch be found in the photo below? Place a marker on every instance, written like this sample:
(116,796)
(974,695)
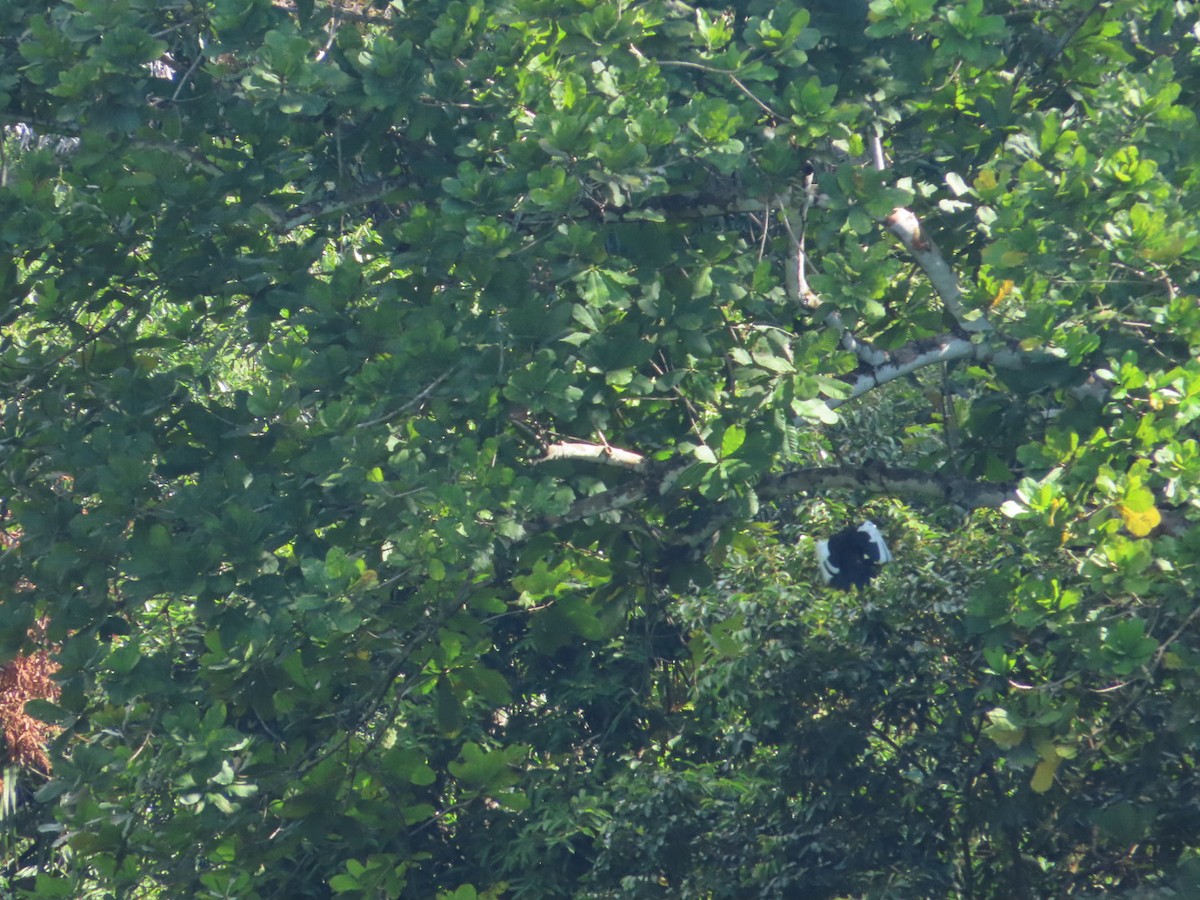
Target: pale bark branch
(865,351)
(877,157)
(885,367)
(907,227)
(601,453)
(872,478)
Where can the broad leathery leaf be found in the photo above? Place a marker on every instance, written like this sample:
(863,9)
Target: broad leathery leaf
(1003,730)
(483,767)
(773,363)
(343,883)
(1013,509)
(734,437)
(1139,512)
(513,800)
(1140,522)
(437,570)
(724,637)
(815,410)
(832,387)
(1043,775)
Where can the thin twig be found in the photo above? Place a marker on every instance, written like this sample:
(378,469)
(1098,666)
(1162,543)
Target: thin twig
(681,63)
(1162,650)
(183,79)
(415,401)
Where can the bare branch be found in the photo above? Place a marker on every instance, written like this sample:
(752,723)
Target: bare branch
(658,480)
(186,77)
(885,367)
(877,158)
(1069,35)
(195,160)
(731,75)
(866,353)
(906,226)
(601,453)
(414,402)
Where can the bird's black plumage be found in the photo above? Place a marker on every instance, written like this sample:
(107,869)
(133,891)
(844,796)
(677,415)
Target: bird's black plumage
(852,557)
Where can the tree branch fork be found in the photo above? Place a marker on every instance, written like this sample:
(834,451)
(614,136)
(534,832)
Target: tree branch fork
(974,338)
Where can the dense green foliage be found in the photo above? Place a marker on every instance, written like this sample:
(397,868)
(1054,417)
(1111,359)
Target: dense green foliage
(417,420)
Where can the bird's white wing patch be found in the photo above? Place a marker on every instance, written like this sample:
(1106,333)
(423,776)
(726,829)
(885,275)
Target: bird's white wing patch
(828,569)
(877,542)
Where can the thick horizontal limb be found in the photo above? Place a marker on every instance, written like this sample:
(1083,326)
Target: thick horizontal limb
(884,367)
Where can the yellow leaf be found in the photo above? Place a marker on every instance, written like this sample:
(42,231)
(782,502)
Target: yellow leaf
(368,579)
(1140,522)
(1045,748)
(1006,287)
(1167,251)
(985,180)
(1043,775)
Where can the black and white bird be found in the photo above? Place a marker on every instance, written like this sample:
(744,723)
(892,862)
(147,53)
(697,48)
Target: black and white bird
(852,557)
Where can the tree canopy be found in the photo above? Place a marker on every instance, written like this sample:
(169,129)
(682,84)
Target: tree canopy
(419,417)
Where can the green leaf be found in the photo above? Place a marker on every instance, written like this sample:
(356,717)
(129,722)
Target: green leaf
(1002,729)
(482,768)
(724,637)
(54,886)
(815,410)
(437,569)
(735,436)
